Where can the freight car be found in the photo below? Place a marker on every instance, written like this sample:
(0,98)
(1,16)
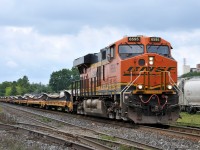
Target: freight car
(59,101)
(132,79)
(54,101)
(190,99)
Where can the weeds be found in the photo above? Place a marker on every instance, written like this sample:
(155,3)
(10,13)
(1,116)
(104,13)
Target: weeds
(7,118)
(123,147)
(46,120)
(14,142)
(188,119)
(106,137)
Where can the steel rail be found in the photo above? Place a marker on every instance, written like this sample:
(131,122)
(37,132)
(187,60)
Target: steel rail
(122,141)
(45,136)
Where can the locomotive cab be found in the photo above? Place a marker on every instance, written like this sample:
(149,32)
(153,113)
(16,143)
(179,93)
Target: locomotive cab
(151,71)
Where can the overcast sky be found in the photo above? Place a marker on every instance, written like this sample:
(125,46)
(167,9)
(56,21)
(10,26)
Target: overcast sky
(38,37)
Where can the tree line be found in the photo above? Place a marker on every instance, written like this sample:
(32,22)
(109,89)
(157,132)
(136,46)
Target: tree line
(59,80)
(190,74)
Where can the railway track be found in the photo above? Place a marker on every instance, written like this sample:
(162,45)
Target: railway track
(54,132)
(45,137)
(192,133)
(176,131)
(93,141)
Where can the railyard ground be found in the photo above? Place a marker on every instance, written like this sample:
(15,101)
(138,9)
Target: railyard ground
(186,119)
(12,142)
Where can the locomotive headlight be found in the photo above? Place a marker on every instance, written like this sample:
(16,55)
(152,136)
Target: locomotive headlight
(169,87)
(140,87)
(151,60)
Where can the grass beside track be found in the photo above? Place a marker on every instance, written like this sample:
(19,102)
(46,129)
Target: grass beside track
(189,119)
(0,109)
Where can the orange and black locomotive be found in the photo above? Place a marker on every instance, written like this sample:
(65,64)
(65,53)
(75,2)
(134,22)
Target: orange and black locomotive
(132,79)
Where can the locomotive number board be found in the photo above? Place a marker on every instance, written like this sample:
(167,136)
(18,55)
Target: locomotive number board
(133,39)
(154,39)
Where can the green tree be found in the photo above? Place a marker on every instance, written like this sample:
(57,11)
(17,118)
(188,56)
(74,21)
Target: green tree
(37,88)
(8,91)
(75,73)
(62,79)
(3,87)
(190,74)
(13,89)
(24,85)
(59,79)
(2,90)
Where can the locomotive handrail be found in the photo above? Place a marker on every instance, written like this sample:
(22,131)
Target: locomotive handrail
(173,83)
(124,89)
(132,81)
(127,87)
(175,86)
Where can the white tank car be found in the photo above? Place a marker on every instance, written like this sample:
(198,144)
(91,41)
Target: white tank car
(190,98)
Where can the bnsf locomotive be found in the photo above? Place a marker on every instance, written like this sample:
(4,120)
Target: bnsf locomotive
(132,79)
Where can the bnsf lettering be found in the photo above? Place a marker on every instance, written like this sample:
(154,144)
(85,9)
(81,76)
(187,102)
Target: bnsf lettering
(150,69)
(159,69)
(171,68)
(130,68)
(146,69)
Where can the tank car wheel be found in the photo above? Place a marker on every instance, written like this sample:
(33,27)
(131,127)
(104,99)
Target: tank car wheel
(194,111)
(187,109)
(191,110)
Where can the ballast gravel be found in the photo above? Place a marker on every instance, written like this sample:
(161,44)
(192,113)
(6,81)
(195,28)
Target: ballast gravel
(151,138)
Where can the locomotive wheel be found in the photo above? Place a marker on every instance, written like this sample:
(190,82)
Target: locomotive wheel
(46,107)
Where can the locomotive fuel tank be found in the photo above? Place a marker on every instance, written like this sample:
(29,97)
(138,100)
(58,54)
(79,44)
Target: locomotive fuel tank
(94,107)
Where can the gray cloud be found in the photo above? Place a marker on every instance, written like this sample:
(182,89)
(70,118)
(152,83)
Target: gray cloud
(63,16)
(39,37)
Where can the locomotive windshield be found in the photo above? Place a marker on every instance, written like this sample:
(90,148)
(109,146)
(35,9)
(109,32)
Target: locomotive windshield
(159,49)
(127,51)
